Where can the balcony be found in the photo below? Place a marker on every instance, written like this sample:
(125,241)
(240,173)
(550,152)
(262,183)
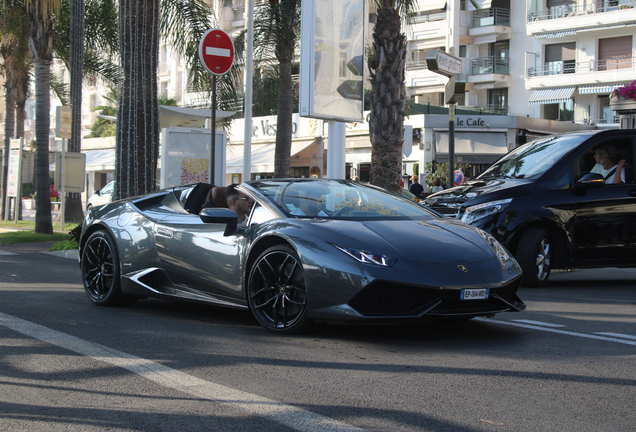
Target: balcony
(579,73)
(426,17)
(490,65)
(570,18)
(491,17)
(490,24)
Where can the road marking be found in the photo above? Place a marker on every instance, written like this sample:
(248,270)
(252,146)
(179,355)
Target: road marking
(553,330)
(618,335)
(7,253)
(541,323)
(288,415)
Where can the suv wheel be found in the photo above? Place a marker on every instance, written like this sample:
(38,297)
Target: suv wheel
(534,254)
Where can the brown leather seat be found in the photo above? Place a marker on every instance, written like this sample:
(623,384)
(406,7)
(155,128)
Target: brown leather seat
(218,197)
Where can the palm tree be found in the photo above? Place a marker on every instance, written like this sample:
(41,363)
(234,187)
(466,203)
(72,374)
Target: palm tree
(277,33)
(14,50)
(182,23)
(41,14)
(388,91)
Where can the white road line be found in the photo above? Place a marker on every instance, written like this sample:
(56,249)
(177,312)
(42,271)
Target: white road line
(552,330)
(618,335)
(541,323)
(7,253)
(285,414)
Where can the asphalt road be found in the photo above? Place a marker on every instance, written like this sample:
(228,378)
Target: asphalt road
(568,363)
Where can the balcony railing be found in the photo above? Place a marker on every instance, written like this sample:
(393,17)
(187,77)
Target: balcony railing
(489,65)
(570,10)
(164,67)
(491,16)
(427,17)
(489,109)
(565,67)
(415,65)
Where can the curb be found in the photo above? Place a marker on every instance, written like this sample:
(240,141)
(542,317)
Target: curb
(70,254)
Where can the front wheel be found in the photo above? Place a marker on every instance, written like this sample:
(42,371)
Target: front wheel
(100,270)
(533,254)
(277,291)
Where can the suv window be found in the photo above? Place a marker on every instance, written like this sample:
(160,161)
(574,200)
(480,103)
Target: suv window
(534,158)
(604,157)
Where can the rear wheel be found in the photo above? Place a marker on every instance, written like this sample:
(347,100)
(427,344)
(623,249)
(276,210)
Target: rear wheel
(277,291)
(100,270)
(533,254)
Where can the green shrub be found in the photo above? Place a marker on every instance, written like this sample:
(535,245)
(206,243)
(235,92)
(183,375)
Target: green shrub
(65,245)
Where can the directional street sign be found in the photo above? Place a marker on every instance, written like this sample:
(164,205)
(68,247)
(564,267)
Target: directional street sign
(216,51)
(443,63)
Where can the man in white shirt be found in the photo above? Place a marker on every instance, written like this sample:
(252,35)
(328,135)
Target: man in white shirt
(611,172)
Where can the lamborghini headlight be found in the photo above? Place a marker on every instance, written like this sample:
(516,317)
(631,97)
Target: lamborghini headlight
(502,254)
(480,211)
(367,257)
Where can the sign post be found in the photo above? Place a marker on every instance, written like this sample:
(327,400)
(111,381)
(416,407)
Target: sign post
(14,179)
(450,66)
(62,130)
(216,52)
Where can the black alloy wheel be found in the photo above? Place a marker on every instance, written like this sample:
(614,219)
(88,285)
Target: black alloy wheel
(534,253)
(277,292)
(100,270)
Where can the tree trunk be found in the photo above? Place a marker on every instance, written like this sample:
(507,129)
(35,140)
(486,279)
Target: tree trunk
(9,127)
(73,211)
(137,138)
(284,124)
(43,224)
(386,120)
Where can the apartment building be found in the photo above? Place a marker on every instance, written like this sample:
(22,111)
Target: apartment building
(586,49)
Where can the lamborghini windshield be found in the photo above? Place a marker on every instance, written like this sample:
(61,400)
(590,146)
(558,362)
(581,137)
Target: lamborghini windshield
(338,199)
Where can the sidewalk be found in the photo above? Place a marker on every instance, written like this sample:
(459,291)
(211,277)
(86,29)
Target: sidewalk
(34,247)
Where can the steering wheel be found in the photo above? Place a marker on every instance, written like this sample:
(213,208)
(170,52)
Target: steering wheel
(343,211)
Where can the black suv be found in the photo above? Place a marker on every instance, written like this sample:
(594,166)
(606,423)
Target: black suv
(547,205)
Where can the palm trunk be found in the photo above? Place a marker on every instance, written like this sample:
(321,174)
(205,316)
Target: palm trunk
(284,125)
(73,207)
(43,224)
(386,121)
(137,148)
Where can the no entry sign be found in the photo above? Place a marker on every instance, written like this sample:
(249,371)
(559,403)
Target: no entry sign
(216,51)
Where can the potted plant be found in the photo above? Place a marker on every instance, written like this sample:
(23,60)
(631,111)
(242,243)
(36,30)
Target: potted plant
(624,98)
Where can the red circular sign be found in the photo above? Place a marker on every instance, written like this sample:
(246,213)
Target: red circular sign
(216,51)
(459,177)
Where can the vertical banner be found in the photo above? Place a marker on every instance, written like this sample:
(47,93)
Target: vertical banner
(332,61)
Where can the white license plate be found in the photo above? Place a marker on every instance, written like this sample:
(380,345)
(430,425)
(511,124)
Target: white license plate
(474,294)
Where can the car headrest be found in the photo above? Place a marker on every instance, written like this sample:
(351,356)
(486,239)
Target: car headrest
(218,197)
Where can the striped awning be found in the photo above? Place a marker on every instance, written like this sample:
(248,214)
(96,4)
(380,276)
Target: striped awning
(599,89)
(551,95)
(553,35)
(607,27)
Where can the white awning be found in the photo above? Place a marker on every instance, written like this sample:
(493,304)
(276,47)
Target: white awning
(472,147)
(599,89)
(551,95)
(262,156)
(100,160)
(173,116)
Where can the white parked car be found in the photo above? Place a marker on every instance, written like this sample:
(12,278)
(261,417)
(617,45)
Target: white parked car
(101,197)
